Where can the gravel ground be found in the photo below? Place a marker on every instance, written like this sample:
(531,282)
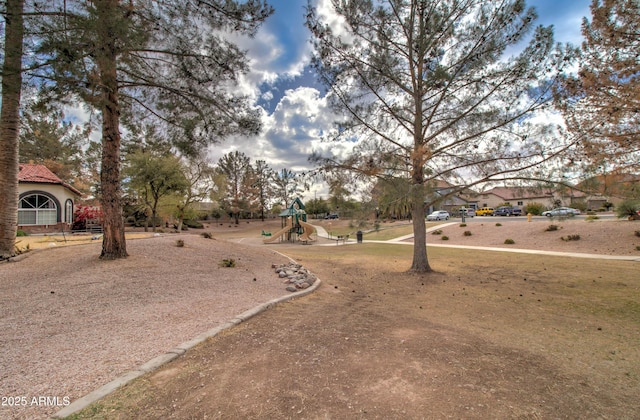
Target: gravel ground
(603,237)
(71,322)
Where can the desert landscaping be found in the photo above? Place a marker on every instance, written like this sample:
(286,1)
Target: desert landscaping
(488,334)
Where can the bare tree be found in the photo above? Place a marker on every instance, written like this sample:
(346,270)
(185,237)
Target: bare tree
(236,167)
(198,173)
(286,184)
(437,90)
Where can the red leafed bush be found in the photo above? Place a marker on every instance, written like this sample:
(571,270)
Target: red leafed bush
(84,215)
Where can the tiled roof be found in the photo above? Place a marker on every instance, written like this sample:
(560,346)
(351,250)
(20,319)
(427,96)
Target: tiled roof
(518,193)
(507,193)
(29,172)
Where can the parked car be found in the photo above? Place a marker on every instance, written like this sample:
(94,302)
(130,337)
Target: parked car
(485,211)
(516,211)
(502,211)
(561,211)
(467,212)
(438,215)
(331,216)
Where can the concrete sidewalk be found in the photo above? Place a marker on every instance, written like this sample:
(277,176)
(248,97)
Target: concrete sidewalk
(404,240)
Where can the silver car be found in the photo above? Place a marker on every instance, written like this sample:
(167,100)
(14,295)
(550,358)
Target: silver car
(561,211)
(438,215)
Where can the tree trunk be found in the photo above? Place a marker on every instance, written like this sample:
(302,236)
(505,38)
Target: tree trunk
(113,241)
(420,261)
(10,126)
(154,217)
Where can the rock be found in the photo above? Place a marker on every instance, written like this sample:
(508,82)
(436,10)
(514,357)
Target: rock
(295,275)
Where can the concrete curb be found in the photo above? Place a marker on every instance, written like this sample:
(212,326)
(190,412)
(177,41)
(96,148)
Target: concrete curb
(179,350)
(521,251)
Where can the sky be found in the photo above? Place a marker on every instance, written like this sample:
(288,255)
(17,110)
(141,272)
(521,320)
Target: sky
(292,102)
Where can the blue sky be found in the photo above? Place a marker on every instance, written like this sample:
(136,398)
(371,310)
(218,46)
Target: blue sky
(293,102)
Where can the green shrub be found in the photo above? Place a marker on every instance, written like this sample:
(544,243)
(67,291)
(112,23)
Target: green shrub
(638,248)
(191,223)
(437,232)
(637,233)
(180,243)
(21,233)
(591,218)
(628,208)
(509,241)
(498,224)
(228,262)
(571,238)
(463,224)
(551,228)
(207,235)
(445,238)
(467,233)
(534,208)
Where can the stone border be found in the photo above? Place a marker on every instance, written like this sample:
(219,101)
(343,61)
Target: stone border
(159,361)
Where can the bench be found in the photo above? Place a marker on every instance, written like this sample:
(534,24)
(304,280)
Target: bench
(343,238)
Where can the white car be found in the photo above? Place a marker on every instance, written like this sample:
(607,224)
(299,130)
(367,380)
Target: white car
(438,215)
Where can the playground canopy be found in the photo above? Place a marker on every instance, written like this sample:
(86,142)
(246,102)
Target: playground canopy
(295,211)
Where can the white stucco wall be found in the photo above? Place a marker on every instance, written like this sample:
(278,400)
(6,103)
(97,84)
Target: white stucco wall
(61,194)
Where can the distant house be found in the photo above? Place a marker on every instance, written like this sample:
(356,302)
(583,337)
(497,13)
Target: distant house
(516,196)
(446,197)
(523,196)
(46,203)
(612,188)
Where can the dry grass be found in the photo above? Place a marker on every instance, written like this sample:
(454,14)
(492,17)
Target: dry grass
(47,241)
(514,336)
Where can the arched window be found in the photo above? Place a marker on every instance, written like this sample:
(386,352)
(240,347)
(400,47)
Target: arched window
(37,209)
(68,212)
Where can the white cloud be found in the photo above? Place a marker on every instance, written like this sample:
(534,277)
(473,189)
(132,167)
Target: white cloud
(289,134)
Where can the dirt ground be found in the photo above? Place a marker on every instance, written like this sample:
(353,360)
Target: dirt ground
(487,335)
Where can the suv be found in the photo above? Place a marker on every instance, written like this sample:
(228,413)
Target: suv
(516,212)
(331,216)
(484,211)
(502,211)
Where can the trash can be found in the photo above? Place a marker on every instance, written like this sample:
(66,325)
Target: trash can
(359,236)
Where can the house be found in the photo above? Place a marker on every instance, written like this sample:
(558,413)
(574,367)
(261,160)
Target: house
(516,196)
(610,188)
(450,197)
(46,203)
(523,196)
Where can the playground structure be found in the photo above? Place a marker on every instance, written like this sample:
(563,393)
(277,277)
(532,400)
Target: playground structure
(294,226)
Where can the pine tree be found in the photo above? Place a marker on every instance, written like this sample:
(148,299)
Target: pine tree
(429,91)
(167,61)
(601,104)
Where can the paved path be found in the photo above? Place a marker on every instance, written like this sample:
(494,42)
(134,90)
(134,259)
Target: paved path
(404,240)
